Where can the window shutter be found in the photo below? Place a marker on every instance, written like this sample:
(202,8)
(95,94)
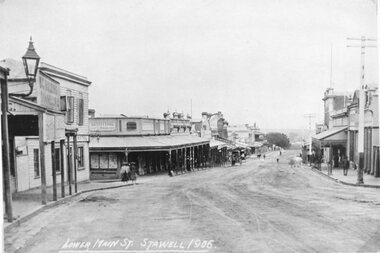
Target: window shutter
(63,104)
(70,109)
(80,111)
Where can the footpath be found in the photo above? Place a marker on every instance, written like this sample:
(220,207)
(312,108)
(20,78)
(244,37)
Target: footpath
(351,178)
(27,204)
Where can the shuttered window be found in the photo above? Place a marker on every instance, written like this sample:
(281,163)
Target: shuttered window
(80,111)
(70,110)
(36,163)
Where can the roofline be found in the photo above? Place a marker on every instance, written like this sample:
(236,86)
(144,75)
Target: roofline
(62,70)
(121,117)
(66,75)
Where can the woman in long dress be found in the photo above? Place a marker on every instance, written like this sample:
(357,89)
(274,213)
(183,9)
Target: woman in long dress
(124,171)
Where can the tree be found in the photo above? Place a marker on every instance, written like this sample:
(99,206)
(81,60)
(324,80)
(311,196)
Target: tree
(278,139)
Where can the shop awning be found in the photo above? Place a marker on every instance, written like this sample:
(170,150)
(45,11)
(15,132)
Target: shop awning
(336,134)
(145,143)
(242,145)
(216,143)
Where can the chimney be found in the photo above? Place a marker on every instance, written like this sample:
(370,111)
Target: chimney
(166,115)
(91,113)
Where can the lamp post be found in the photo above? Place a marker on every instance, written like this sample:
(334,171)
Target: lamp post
(5,147)
(30,61)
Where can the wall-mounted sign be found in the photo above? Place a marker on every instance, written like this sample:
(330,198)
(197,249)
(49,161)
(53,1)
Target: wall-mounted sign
(147,126)
(49,92)
(102,125)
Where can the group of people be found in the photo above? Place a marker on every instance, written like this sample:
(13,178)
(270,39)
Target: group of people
(128,173)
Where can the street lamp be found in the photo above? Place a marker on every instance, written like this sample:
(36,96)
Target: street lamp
(30,61)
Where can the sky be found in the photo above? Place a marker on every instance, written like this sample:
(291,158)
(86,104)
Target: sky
(267,62)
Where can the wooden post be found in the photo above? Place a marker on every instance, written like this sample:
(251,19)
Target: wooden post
(75,163)
(42,157)
(169,164)
(184,159)
(68,163)
(201,153)
(5,147)
(54,170)
(62,161)
(176,161)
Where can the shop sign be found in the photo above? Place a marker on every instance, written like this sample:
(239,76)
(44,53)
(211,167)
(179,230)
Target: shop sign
(49,93)
(102,125)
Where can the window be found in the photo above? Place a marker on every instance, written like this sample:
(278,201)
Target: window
(104,161)
(131,126)
(80,158)
(57,160)
(80,111)
(70,109)
(36,163)
(94,159)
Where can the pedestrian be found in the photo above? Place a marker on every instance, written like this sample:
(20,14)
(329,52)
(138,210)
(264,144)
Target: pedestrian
(280,153)
(264,156)
(132,173)
(346,165)
(124,171)
(278,159)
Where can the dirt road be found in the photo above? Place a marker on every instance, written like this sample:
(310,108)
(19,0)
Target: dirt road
(260,206)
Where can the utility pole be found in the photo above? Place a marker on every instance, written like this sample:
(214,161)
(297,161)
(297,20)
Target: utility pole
(362,46)
(309,116)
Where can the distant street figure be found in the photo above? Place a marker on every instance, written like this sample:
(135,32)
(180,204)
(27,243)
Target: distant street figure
(278,159)
(346,165)
(264,156)
(133,174)
(124,171)
(280,152)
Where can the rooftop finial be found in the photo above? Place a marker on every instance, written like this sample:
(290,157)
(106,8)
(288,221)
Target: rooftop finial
(31,38)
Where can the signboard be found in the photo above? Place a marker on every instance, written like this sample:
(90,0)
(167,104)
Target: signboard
(147,126)
(102,125)
(59,127)
(49,127)
(49,92)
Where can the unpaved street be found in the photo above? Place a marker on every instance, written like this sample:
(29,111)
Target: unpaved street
(260,206)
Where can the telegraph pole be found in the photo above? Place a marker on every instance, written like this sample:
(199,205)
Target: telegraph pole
(309,116)
(362,46)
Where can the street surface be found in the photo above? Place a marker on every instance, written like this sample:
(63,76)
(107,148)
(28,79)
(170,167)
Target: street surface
(260,206)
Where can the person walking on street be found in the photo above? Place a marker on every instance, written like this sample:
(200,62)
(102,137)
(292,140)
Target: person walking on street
(346,165)
(124,172)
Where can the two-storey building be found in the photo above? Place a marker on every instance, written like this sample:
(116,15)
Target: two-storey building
(41,118)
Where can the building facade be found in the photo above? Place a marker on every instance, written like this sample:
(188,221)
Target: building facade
(146,143)
(39,126)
